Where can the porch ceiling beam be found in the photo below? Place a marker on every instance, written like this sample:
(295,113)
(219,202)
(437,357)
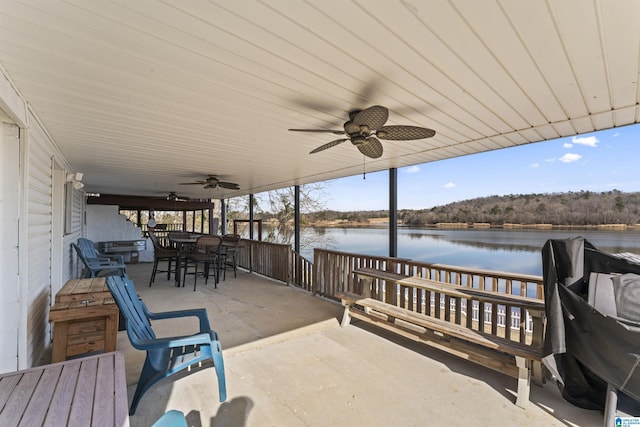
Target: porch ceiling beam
(145,202)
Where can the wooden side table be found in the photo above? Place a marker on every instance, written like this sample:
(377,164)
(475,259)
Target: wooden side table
(85,319)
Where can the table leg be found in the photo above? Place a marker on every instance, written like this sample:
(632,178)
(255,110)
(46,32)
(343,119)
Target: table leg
(179,267)
(178,278)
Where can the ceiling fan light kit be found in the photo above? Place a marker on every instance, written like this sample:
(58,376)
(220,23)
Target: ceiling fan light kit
(365,125)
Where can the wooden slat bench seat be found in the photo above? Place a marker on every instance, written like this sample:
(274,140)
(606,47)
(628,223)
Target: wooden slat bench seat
(414,315)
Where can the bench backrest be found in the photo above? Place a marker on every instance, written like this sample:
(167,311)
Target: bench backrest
(132,309)
(207,245)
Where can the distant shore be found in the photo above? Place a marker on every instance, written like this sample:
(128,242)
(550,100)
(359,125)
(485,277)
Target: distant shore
(383,222)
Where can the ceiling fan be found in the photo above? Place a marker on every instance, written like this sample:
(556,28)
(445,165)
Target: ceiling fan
(173,197)
(365,127)
(212,181)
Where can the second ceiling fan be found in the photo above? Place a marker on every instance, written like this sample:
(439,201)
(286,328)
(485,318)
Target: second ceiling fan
(365,127)
(212,181)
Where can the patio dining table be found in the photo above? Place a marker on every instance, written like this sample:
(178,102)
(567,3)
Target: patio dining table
(183,244)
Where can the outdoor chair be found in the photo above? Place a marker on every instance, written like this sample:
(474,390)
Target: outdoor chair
(228,251)
(162,253)
(172,418)
(167,355)
(95,264)
(90,251)
(207,253)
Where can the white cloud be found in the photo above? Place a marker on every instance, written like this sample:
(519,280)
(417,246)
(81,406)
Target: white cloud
(589,141)
(567,145)
(449,185)
(535,165)
(616,134)
(412,169)
(570,157)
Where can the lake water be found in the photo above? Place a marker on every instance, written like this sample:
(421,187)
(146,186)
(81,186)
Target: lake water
(517,251)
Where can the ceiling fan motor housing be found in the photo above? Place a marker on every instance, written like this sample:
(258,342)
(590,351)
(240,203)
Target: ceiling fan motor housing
(358,140)
(351,128)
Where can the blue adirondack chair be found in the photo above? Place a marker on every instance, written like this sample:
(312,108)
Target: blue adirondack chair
(90,251)
(94,263)
(165,356)
(172,418)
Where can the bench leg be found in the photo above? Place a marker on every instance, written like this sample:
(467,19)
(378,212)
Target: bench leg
(524,381)
(538,374)
(346,319)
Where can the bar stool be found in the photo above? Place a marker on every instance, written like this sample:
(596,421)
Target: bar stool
(162,253)
(207,252)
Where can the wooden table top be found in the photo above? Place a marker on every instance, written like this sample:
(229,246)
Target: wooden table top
(83,290)
(83,297)
(88,391)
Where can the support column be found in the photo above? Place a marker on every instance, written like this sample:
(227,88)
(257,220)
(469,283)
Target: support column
(251,216)
(223,216)
(296,223)
(393,212)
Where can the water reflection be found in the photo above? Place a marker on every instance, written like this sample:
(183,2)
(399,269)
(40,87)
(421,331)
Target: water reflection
(516,251)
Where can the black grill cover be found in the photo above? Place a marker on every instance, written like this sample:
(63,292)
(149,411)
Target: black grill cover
(583,348)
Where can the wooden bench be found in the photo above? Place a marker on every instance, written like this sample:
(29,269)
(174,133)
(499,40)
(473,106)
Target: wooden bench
(413,308)
(365,276)
(88,391)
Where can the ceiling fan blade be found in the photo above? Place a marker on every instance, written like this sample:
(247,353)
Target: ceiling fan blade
(229,185)
(328,145)
(372,148)
(399,133)
(193,183)
(374,117)
(336,132)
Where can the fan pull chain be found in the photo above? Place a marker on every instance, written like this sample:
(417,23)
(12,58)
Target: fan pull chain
(364,169)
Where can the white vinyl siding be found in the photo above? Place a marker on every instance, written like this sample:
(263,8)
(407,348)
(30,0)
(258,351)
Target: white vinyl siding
(31,230)
(39,205)
(40,241)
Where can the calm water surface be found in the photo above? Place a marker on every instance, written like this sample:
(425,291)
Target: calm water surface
(517,251)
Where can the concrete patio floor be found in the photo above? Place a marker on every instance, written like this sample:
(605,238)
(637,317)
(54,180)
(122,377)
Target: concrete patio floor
(288,363)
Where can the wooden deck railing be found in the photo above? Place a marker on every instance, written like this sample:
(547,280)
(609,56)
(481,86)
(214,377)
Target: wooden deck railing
(332,271)
(301,272)
(269,259)
(277,261)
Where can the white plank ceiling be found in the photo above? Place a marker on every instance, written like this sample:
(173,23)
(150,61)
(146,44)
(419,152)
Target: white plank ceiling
(143,95)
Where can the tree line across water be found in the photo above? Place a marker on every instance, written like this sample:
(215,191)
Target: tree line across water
(584,208)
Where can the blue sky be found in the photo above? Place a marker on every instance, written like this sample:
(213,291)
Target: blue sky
(598,161)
